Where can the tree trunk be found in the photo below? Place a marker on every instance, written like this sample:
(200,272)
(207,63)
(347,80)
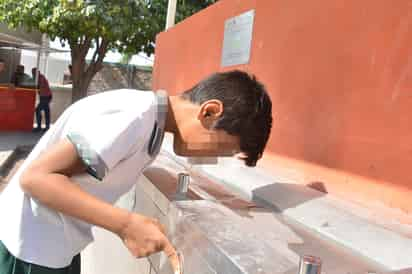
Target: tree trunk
(81,82)
(82,73)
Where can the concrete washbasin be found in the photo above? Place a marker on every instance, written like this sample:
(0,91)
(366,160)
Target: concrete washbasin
(217,231)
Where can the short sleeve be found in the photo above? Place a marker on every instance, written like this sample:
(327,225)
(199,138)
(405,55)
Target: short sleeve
(103,141)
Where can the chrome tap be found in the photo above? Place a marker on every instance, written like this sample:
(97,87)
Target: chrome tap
(310,265)
(183,181)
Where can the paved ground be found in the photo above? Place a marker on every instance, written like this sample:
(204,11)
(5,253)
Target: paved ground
(9,141)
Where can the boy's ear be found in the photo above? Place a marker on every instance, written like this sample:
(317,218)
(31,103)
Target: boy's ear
(212,107)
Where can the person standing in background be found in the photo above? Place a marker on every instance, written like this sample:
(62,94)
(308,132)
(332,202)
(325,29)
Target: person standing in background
(21,79)
(45,99)
(2,70)
(2,65)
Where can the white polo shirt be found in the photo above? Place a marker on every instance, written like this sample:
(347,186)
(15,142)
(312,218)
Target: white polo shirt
(117,134)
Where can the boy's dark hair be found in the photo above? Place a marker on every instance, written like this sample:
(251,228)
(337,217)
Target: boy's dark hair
(247,109)
(2,60)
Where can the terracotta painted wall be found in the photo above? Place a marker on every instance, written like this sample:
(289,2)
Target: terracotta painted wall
(340,77)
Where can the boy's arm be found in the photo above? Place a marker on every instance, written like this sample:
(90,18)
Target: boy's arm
(48,180)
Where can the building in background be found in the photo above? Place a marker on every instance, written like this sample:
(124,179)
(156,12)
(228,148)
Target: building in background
(54,64)
(31,49)
(11,44)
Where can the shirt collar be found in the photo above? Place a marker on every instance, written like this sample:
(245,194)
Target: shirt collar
(160,123)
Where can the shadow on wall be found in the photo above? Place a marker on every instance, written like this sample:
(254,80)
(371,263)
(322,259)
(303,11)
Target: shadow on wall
(281,196)
(319,186)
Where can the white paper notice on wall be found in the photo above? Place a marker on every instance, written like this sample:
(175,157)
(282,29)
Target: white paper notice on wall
(237,39)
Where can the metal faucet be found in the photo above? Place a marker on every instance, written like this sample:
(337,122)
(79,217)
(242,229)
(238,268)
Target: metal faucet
(310,265)
(183,181)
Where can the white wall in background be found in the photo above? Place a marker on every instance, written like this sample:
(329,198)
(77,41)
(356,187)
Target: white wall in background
(54,69)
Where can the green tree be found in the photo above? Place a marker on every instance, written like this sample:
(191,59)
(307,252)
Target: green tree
(129,26)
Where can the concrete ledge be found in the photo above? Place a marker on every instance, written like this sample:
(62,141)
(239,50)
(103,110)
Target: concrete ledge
(212,237)
(207,230)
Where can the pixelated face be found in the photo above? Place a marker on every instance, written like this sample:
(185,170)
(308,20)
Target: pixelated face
(212,143)
(196,135)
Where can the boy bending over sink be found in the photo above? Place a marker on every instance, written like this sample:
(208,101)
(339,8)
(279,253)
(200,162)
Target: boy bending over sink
(95,152)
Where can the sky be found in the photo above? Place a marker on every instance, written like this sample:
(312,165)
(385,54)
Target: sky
(140,59)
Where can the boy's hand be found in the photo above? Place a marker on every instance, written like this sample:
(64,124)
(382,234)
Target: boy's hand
(144,236)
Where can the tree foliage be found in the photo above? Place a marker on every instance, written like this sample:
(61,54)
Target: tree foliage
(129,26)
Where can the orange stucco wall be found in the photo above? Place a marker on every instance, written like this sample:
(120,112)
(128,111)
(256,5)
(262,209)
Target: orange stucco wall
(340,77)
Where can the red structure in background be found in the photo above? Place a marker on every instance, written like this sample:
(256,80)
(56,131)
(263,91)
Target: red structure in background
(17,109)
(340,77)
